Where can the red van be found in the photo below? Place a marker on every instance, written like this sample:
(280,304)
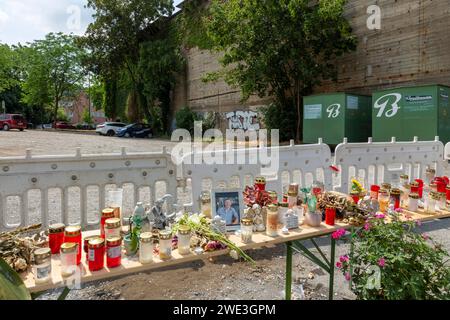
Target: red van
(12,121)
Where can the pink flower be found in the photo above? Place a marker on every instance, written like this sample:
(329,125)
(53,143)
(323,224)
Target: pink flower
(425,236)
(344,258)
(399,210)
(382,262)
(338,234)
(347,276)
(418,223)
(338,265)
(367,227)
(380,216)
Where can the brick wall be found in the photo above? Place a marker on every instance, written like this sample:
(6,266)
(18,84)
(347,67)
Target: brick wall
(412,47)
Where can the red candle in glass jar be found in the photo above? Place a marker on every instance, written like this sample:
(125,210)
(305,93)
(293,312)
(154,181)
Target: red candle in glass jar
(330,216)
(260,183)
(441,185)
(420,189)
(96,254)
(355,196)
(374,189)
(113,252)
(86,246)
(55,237)
(106,214)
(73,234)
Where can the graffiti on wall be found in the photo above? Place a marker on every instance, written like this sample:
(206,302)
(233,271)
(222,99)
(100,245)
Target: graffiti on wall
(245,120)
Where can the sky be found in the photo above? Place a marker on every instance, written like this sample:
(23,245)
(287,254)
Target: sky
(27,20)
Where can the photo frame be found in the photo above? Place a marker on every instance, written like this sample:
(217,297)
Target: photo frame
(229,204)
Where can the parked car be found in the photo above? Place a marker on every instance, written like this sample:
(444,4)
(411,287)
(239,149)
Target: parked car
(63,125)
(12,121)
(109,128)
(136,130)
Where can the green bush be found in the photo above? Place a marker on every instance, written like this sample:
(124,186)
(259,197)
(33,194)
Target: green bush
(392,262)
(61,115)
(279,117)
(185,118)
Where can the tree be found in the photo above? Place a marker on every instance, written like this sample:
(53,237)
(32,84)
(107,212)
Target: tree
(114,38)
(53,70)
(8,68)
(160,62)
(278,47)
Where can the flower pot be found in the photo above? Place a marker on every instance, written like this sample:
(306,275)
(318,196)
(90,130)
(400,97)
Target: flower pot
(130,244)
(313,219)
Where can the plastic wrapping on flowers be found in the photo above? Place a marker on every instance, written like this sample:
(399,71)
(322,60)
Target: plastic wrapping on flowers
(208,239)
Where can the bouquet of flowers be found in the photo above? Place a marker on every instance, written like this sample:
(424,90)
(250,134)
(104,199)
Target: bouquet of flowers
(254,196)
(209,240)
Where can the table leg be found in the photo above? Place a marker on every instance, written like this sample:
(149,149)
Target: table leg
(288,286)
(332,266)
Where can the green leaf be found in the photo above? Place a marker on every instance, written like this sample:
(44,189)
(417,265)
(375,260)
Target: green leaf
(11,285)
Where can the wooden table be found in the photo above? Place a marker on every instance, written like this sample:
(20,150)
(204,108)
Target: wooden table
(293,240)
(132,265)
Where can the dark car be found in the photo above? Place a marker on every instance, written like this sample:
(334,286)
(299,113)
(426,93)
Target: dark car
(63,125)
(136,130)
(12,121)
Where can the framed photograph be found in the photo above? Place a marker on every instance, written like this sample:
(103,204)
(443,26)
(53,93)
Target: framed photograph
(229,205)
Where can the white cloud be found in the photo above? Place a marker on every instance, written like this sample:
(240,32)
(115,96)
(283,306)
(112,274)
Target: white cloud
(31,19)
(27,20)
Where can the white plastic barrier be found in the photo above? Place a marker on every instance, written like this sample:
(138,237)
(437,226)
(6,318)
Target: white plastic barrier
(297,163)
(379,162)
(72,181)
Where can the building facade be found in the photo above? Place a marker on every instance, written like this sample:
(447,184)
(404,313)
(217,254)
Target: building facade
(75,108)
(407,44)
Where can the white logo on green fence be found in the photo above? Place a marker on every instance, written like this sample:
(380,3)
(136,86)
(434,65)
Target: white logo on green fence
(334,110)
(388,105)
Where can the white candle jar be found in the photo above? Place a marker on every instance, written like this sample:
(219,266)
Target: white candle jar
(283,207)
(413,202)
(246,230)
(272,221)
(165,244)
(68,257)
(113,228)
(43,265)
(184,240)
(146,247)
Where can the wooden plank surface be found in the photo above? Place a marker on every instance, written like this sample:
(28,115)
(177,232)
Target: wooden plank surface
(260,240)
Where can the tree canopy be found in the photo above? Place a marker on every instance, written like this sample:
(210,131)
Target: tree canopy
(53,70)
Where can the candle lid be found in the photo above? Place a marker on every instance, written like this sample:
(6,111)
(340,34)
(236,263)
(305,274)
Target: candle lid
(404,176)
(260,180)
(284,204)
(72,231)
(184,230)
(386,185)
(114,241)
(68,247)
(272,208)
(375,188)
(96,243)
(431,171)
(146,237)
(42,254)
(112,223)
(165,235)
(396,192)
(108,213)
(56,228)
(414,196)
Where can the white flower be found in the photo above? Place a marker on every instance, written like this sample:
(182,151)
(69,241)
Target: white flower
(195,218)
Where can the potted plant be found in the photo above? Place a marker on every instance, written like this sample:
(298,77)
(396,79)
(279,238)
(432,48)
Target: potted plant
(131,240)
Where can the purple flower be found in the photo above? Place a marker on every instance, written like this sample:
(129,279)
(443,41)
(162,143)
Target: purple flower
(338,234)
(381,262)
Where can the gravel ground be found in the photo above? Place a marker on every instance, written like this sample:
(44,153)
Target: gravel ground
(221,278)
